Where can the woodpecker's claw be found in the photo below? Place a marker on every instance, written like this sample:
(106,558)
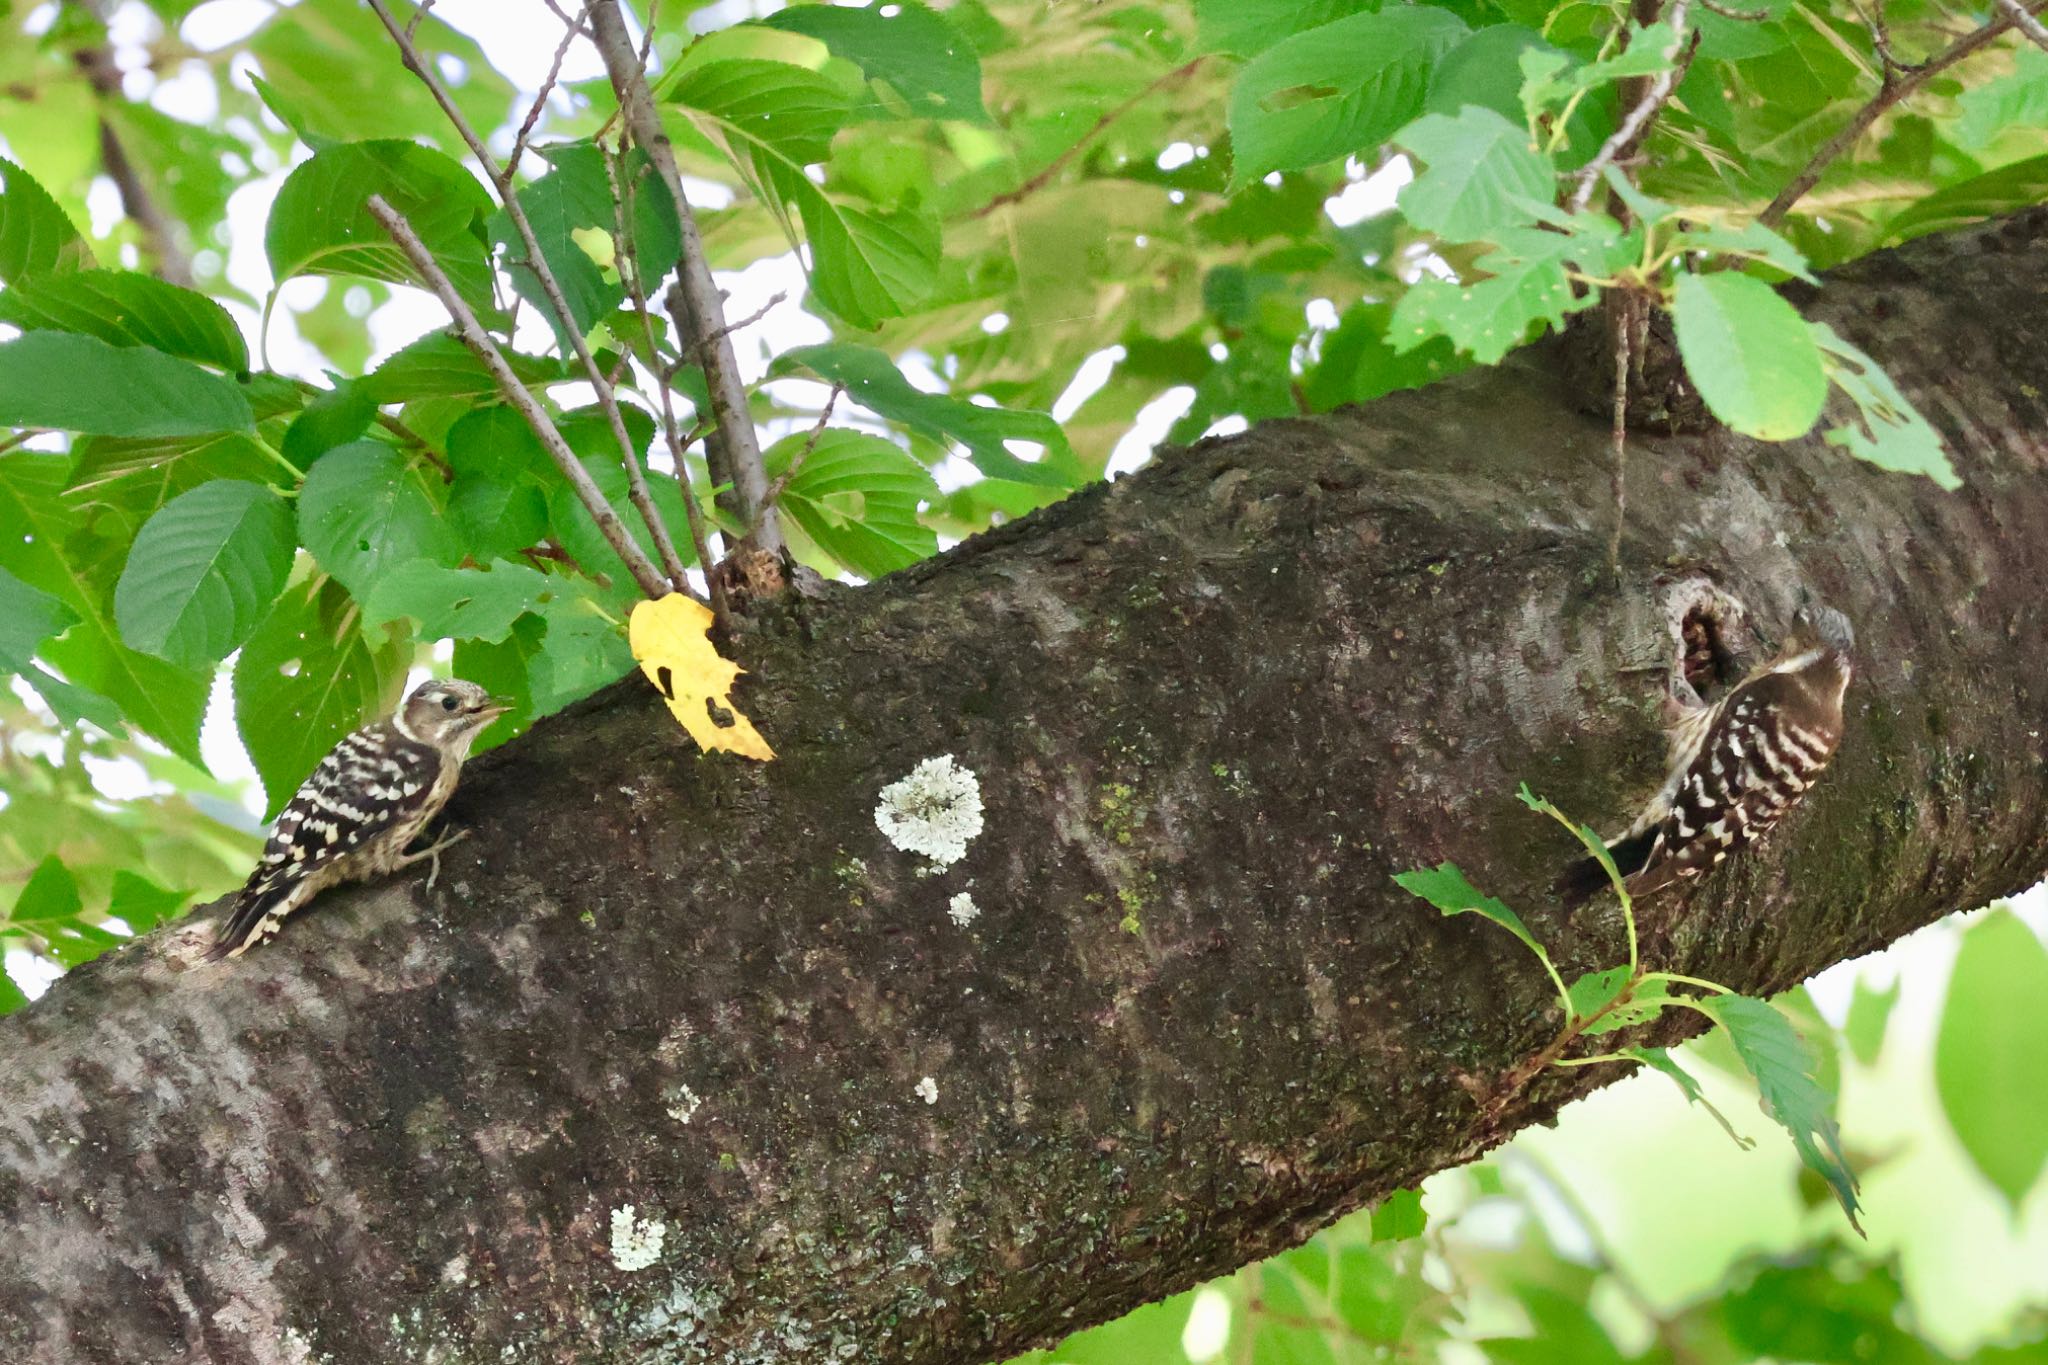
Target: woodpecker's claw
(432,854)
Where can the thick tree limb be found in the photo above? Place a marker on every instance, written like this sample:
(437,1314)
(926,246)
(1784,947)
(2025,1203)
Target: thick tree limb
(1213,708)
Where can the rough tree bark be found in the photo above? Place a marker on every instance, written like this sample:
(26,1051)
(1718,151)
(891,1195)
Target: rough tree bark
(1213,708)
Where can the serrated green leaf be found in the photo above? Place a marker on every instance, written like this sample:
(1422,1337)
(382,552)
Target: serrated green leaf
(2017,185)
(1991,1054)
(915,51)
(2016,100)
(1526,284)
(872,380)
(308,676)
(70,382)
(320,223)
(49,895)
(462,604)
(365,510)
(1337,90)
(1646,1002)
(440,366)
(35,236)
(1399,1217)
(203,571)
(1245,28)
(1891,433)
(126,308)
(141,904)
(856,495)
(28,616)
(1445,887)
(493,518)
(1783,1067)
(1594,991)
(1480,173)
(1751,356)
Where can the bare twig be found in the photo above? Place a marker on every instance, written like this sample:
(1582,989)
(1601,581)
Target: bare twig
(1622,329)
(620,181)
(486,351)
(2025,23)
(1889,94)
(571,29)
(159,232)
(796,461)
(775,301)
(1639,117)
(1059,163)
(702,305)
(1740,16)
(716,463)
(1881,39)
(536,261)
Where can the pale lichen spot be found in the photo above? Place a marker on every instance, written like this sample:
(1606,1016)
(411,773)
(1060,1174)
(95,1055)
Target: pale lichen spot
(927,1090)
(636,1242)
(962,910)
(684,1104)
(934,811)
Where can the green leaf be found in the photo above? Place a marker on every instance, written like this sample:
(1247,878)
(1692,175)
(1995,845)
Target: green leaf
(1891,433)
(1445,887)
(204,571)
(1245,28)
(1356,364)
(1484,70)
(11,998)
(1750,355)
(1869,1012)
(28,616)
(125,308)
(462,604)
(308,676)
(1480,175)
(574,197)
(80,383)
(440,366)
(1783,1068)
(494,518)
(141,904)
(334,418)
(1659,1059)
(1399,1217)
(1991,1055)
(2016,100)
(50,895)
(320,223)
(857,496)
(1526,284)
(1337,90)
(35,236)
(872,380)
(1594,991)
(365,510)
(915,51)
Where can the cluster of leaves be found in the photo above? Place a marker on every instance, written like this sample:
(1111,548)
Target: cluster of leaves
(1614,999)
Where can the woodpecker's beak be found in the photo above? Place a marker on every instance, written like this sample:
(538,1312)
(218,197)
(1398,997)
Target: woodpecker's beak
(494,708)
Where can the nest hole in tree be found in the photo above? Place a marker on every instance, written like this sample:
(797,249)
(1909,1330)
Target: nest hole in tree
(1709,664)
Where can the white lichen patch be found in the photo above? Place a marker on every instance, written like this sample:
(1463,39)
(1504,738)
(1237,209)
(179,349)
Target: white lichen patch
(636,1242)
(683,1105)
(962,910)
(935,811)
(927,1090)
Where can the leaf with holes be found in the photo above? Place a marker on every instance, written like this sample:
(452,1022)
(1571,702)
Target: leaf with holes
(1333,91)
(671,641)
(856,495)
(1889,431)
(460,604)
(365,510)
(307,676)
(1526,283)
(204,570)
(1782,1065)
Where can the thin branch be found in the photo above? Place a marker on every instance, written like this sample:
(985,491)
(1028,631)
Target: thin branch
(775,301)
(796,462)
(702,304)
(1889,94)
(1881,39)
(2025,23)
(716,462)
(159,231)
(627,248)
(1059,163)
(1740,16)
(1639,117)
(1622,329)
(558,304)
(572,29)
(486,351)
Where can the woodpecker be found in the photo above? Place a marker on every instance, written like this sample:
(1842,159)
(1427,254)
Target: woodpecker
(1737,766)
(369,798)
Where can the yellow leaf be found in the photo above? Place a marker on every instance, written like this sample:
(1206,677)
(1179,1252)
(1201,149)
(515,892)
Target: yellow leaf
(669,640)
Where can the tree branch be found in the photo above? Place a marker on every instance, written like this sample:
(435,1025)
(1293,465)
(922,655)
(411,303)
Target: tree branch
(1637,123)
(486,351)
(159,232)
(1899,82)
(1059,163)
(699,291)
(558,304)
(2025,22)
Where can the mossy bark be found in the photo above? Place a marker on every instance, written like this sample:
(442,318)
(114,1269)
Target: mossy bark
(1213,709)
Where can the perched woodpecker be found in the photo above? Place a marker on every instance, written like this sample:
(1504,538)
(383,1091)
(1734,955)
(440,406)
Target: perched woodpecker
(368,799)
(1736,766)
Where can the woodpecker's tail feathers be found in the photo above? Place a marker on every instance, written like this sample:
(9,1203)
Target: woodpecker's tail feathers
(1586,879)
(259,907)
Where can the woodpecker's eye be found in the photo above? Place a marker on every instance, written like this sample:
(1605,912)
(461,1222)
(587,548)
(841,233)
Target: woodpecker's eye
(447,703)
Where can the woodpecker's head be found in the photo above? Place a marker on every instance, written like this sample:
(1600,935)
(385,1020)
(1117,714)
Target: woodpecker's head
(1825,628)
(449,714)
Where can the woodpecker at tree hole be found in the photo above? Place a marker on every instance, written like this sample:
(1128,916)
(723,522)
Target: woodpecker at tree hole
(368,799)
(1736,766)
